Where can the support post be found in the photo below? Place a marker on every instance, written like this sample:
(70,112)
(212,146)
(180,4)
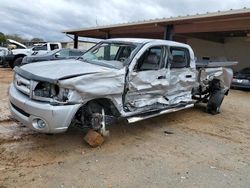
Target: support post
(75,41)
(169,32)
(107,35)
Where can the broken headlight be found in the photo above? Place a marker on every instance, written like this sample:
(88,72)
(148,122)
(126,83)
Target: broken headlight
(63,95)
(56,95)
(45,91)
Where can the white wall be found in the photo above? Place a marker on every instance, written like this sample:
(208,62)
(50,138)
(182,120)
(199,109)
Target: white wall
(234,49)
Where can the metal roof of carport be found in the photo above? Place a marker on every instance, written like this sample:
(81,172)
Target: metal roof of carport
(221,21)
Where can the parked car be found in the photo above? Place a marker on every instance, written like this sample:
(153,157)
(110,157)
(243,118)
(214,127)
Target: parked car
(131,79)
(17,55)
(241,79)
(3,53)
(59,54)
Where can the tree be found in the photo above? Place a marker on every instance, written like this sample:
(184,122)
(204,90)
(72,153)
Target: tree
(2,37)
(16,37)
(37,40)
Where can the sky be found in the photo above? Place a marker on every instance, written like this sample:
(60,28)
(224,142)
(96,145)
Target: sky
(48,18)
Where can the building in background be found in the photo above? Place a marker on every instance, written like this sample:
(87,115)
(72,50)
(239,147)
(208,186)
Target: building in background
(83,43)
(220,35)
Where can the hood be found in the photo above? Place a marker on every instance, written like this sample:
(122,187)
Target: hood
(56,70)
(36,58)
(16,43)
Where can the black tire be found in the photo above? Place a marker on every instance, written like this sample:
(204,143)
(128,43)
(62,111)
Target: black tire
(17,62)
(11,64)
(215,101)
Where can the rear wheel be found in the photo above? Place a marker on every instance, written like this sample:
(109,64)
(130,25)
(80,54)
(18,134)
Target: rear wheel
(215,102)
(11,64)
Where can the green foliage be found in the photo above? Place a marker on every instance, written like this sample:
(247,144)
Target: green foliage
(37,40)
(2,37)
(16,37)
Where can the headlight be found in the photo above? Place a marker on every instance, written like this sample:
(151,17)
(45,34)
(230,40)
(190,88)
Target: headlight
(55,94)
(63,95)
(45,91)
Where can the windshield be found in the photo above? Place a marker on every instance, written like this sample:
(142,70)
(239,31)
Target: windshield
(245,71)
(112,55)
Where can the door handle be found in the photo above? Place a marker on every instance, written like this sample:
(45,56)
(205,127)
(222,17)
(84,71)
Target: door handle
(189,76)
(161,77)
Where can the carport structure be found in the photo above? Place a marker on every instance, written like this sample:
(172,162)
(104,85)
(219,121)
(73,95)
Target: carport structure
(219,31)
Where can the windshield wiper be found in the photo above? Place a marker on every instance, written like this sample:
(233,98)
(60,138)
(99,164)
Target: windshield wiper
(80,58)
(102,64)
(83,59)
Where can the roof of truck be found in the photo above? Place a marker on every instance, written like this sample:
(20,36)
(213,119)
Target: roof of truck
(144,40)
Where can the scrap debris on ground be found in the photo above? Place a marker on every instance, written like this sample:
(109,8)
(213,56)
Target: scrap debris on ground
(204,151)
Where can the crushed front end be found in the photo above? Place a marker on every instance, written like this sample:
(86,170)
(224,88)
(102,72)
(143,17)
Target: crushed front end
(41,105)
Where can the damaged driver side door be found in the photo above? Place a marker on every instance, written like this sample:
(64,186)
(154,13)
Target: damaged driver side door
(147,81)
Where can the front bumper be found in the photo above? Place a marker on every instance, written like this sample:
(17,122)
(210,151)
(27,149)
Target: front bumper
(28,111)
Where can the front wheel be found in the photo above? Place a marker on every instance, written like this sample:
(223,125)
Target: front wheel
(17,62)
(215,101)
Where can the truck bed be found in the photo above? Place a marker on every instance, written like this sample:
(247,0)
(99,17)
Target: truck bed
(215,64)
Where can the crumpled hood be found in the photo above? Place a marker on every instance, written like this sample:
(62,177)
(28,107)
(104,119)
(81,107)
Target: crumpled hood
(32,59)
(61,69)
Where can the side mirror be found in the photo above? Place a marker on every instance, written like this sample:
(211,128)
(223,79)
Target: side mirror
(57,54)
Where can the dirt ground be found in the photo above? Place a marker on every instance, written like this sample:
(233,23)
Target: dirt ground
(202,151)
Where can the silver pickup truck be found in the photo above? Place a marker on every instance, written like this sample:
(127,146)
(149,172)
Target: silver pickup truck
(131,79)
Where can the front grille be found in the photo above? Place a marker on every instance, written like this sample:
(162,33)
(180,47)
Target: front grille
(20,110)
(22,84)
(27,87)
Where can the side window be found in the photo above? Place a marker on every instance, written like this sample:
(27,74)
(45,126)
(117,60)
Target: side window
(54,46)
(38,48)
(180,57)
(151,59)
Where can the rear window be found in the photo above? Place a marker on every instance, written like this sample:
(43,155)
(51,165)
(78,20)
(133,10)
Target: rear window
(38,48)
(54,46)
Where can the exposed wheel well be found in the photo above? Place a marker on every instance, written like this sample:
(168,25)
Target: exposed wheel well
(84,114)
(19,55)
(107,104)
